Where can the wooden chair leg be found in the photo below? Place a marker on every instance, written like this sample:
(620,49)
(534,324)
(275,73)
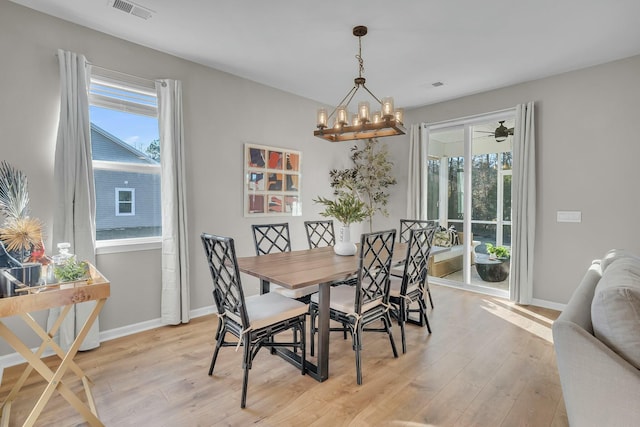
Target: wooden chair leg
(387,322)
(219,328)
(247,365)
(357,346)
(423,310)
(219,339)
(402,317)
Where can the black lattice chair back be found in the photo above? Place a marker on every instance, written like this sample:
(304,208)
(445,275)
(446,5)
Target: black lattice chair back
(271,238)
(376,251)
(227,288)
(320,233)
(418,251)
(406,225)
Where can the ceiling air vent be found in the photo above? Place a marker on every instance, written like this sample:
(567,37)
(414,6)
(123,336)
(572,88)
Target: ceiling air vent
(131,8)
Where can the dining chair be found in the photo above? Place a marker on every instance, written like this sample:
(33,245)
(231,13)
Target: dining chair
(368,301)
(406,225)
(254,320)
(271,238)
(274,238)
(410,288)
(320,233)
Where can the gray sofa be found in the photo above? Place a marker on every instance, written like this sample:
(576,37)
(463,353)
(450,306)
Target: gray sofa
(597,343)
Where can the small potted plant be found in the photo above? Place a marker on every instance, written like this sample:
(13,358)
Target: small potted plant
(347,208)
(498,252)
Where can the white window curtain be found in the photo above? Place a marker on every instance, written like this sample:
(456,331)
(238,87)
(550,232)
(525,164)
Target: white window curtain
(524,205)
(416,179)
(175,258)
(75,208)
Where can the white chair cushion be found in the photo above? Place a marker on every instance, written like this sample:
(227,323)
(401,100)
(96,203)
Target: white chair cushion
(396,284)
(294,293)
(271,308)
(615,309)
(343,299)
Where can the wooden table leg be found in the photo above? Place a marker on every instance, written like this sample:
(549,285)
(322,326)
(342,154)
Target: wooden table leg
(46,341)
(55,379)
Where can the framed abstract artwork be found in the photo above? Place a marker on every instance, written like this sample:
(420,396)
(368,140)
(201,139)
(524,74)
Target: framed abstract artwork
(272,179)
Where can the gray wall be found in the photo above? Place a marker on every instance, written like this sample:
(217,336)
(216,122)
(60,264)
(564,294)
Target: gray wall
(587,127)
(587,136)
(221,113)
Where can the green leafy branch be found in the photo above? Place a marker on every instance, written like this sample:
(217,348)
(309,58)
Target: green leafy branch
(347,208)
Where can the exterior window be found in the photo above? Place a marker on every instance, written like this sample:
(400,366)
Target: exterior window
(125,201)
(125,145)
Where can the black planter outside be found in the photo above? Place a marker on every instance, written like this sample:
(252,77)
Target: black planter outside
(493,270)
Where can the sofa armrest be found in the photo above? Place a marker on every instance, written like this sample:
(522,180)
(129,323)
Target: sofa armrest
(597,384)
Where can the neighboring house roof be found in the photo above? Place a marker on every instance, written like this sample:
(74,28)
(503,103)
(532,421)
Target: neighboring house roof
(105,146)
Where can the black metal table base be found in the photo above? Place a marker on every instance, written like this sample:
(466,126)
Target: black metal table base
(295,360)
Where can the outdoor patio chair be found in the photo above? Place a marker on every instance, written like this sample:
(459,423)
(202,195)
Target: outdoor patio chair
(255,320)
(410,288)
(368,301)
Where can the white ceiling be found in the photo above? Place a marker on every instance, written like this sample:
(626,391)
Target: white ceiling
(307,48)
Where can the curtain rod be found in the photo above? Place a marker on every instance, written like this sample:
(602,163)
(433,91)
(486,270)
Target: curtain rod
(477,117)
(124,74)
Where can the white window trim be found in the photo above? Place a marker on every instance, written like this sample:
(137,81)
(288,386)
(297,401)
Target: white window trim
(128,245)
(132,202)
(126,167)
(143,86)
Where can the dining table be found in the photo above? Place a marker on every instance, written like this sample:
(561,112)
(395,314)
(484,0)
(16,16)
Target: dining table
(318,266)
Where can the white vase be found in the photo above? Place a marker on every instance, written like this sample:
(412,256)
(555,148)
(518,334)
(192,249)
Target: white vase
(344,246)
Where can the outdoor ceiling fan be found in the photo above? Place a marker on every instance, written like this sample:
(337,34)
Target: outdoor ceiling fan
(501,133)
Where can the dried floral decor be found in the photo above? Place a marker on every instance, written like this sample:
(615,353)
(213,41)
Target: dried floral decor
(19,232)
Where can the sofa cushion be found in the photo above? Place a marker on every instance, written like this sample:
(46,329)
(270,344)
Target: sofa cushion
(615,254)
(455,251)
(615,309)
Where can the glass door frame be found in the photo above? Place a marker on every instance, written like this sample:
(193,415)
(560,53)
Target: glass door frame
(466,124)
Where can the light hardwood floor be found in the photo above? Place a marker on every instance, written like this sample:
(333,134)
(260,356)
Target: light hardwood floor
(487,363)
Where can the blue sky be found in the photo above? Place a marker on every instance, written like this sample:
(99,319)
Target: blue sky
(134,129)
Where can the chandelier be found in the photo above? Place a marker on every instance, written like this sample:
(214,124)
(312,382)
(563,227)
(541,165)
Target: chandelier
(363,125)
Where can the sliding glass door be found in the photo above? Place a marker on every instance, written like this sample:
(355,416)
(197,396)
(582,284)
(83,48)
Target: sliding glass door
(469,189)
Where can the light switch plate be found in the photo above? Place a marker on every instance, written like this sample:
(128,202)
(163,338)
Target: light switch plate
(569,216)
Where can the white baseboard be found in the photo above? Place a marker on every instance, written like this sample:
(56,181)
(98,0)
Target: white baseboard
(16,359)
(548,304)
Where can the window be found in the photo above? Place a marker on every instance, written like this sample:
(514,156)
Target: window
(125,201)
(125,146)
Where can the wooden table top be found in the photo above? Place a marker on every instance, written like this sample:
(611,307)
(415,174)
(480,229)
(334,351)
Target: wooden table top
(298,269)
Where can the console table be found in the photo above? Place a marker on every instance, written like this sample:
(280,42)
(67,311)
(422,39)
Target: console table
(28,300)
